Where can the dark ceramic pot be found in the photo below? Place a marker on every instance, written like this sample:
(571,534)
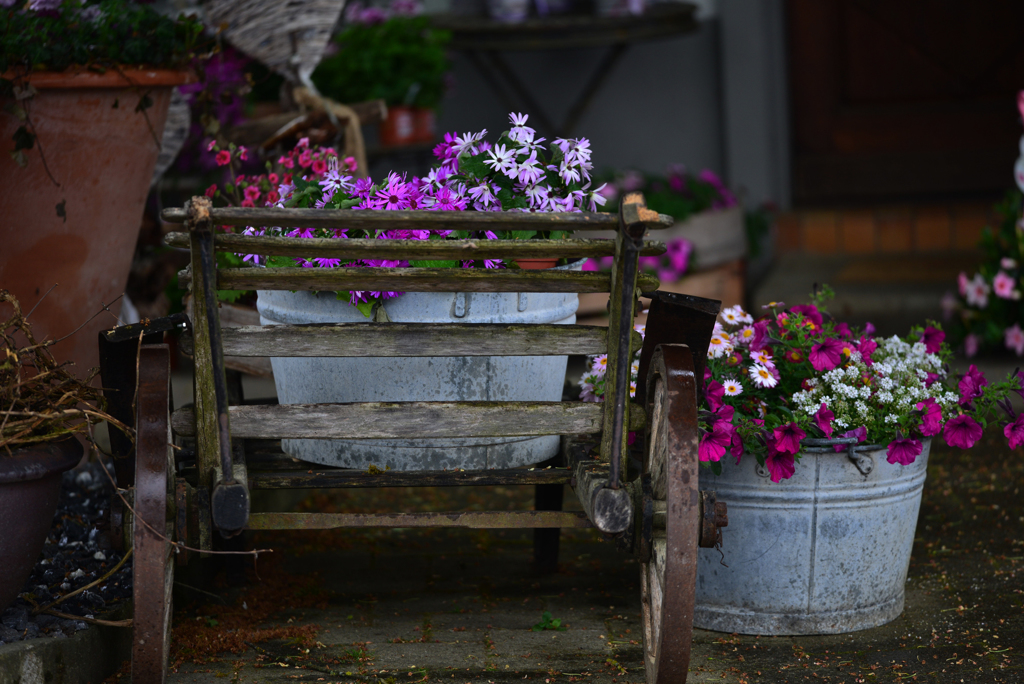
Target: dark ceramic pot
(29,489)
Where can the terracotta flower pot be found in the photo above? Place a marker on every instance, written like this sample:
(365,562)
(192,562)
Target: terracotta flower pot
(102,152)
(29,489)
(424,124)
(399,128)
(536,264)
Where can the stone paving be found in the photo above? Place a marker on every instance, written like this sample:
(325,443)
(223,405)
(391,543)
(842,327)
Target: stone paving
(458,606)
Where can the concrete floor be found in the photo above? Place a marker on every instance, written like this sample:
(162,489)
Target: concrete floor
(436,605)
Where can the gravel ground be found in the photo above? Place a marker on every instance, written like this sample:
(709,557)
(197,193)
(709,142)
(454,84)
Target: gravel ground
(76,553)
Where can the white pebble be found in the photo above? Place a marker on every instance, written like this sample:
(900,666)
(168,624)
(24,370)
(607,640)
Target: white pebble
(100,556)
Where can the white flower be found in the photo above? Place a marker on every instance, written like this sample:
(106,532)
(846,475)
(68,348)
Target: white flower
(720,345)
(732,387)
(600,364)
(762,376)
(735,315)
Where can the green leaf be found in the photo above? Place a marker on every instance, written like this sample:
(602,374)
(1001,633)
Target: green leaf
(522,234)
(365,308)
(23,140)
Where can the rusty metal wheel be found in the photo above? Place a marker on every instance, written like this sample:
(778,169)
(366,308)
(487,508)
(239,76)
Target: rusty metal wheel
(153,571)
(668,562)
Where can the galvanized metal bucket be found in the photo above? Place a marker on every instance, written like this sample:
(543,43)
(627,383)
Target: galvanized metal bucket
(462,378)
(825,552)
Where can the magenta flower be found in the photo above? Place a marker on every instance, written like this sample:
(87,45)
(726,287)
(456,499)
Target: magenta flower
(962,431)
(931,421)
(932,338)
(714,393)
(780,465)
(760,338)
(787,438)
(903,451)
(971,384)
(737,446)
(971,344)
(223,158)
(826,354)
(808,311)
(1015,432)
(823,419)
(843,330)
(393,196)
(860,434)
(714,443)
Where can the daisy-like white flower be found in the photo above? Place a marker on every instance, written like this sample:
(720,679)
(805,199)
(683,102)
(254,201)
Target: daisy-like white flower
(502,159)
(600,364)
(720,345)
(520,131)
(735,315)
(763,357)
(732,387)
(762,376)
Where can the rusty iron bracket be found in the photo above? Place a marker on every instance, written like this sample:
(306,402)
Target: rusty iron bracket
(714,516)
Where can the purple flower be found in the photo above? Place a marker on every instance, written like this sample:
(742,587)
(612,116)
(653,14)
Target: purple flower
(903,451)
(781,465)
(808,311)
(714,443)
(860,434)
(1015,432)
(394,195)
(866,347)
(759,340)
(787,438)
(962,431)
(931,421)
(826,354)
(714,393)
(823,419)
(971,344)
(932,338)
(843,330)
(971,384)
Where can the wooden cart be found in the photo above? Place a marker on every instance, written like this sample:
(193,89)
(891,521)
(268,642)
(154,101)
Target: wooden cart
(200,489)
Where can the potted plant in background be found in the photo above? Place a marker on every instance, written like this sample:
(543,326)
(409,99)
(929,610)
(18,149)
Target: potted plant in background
(392,54)
(817,436)
(85,90)
(42,408)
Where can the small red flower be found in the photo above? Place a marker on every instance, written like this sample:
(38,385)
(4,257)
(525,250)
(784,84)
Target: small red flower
(212,190)
(223,158)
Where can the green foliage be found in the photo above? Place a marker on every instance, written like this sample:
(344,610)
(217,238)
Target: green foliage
(401,60)
(547,622)
(98,35)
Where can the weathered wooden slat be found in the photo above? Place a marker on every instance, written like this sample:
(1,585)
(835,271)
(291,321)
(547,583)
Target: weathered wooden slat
(611,510)
(338,479)
(471,519)
(411,339)
(360,248)
(409,420)
(414,220)
(415,280)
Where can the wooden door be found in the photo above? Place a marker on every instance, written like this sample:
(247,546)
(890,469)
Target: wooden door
(904,99)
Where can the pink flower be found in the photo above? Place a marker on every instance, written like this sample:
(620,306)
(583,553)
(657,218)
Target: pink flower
(903,451)
(787,438)
(306,158)
(823,419)
(781,465)
(350,163)
(243,153)
(1015,432)
(931,420)
(971,343)
(714,443)
(932,338)
(223,158)
(1003,286)
(961,282)
(248,203)
(319,167)
(272,178)
(760,338)
(252,193)
(809,311)
(977,291)
(843,330)
(826,354)
(212,190)
(962,431)
(1015,339)
(273,197)
(860,434)
(714,393)
(971,384)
